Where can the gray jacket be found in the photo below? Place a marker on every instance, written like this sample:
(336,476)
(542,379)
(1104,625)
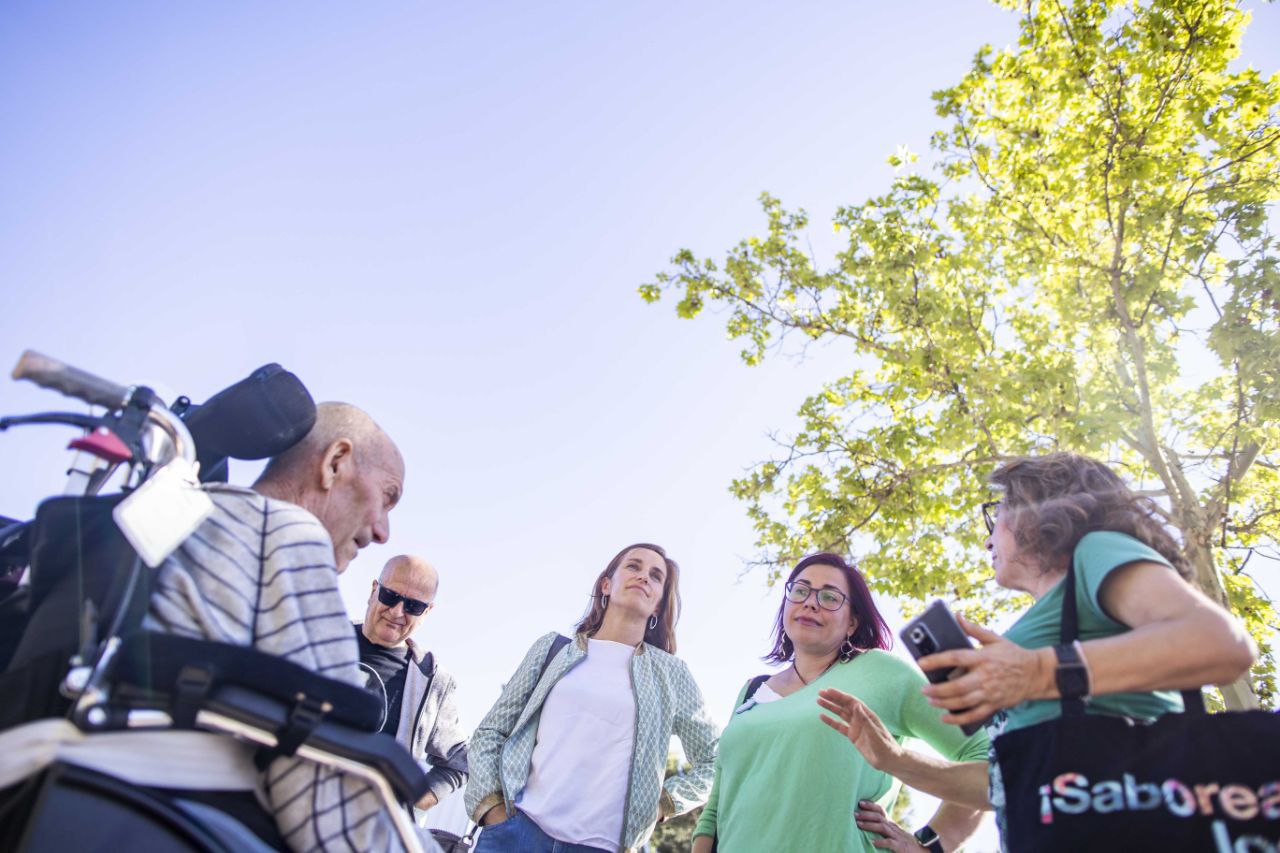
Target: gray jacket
(429,723)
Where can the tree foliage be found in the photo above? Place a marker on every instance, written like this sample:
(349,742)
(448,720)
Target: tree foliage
(1086,264)
(675,835)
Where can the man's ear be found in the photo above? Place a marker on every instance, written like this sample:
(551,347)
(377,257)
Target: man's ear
(373,591)
(337,457)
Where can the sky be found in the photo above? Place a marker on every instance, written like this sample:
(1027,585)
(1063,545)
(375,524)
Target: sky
(441,212)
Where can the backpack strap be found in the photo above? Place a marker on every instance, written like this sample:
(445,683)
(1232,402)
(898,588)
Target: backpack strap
(754,684)
(556,645)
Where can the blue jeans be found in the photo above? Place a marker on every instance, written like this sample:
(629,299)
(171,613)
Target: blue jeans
(520,834)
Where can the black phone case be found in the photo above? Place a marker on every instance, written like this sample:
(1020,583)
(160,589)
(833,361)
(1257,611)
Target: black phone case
(936,630)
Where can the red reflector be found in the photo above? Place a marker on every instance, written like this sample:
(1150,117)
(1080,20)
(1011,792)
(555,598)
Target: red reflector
(104,444)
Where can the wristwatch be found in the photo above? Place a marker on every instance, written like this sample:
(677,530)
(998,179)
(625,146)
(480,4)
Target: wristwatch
(1072,675)
(928,839)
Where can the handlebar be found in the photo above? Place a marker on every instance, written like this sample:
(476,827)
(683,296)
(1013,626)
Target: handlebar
(173,440)
(72,381)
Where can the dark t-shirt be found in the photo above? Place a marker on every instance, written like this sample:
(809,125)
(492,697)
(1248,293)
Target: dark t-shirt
(390,666)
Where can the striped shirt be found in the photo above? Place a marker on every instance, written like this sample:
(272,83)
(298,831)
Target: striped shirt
(260,572)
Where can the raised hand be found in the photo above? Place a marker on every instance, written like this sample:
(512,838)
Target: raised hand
(861,726)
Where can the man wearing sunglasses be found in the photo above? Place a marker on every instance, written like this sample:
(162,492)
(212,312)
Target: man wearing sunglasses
(419,695)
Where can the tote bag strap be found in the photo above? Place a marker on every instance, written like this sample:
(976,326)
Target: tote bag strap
(1192,700)
(1070,631)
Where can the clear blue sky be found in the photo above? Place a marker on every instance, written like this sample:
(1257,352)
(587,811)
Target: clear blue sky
(441,212)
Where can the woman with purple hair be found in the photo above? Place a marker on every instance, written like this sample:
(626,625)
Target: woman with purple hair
(783,780)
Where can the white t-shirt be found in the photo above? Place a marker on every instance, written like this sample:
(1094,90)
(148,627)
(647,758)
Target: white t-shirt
(577,783)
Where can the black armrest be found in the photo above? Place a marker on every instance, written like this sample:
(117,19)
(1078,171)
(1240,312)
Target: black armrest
(262,691)
(380,751)
(149,663)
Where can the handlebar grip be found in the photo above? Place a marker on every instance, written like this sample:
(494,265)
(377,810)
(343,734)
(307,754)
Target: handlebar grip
(72,381)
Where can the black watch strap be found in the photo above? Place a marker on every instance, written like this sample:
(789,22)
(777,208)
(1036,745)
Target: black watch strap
(1072,676)
(928,839)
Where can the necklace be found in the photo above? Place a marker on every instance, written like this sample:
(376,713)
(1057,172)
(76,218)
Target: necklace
(796,670)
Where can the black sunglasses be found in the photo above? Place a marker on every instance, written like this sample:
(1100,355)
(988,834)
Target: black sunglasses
(391,598)
(989,511)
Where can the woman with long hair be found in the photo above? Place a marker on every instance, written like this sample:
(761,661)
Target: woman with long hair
(1145,632)
(573,752)
(783,782)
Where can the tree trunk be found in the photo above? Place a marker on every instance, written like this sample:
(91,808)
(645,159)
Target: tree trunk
(1238,695)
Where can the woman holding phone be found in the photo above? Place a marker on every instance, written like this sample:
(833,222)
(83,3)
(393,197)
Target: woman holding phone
(1145,632)
(782,781)
(571,756)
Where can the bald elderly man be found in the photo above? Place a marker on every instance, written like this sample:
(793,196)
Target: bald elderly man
(419,694)
(262,571)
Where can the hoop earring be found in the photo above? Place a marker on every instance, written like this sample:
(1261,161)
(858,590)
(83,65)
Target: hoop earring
(604,602)
(847,651)
(653,621)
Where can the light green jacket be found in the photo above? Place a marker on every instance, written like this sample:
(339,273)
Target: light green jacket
(667,701)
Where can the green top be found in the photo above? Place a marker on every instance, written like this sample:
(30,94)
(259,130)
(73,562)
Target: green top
(785,781)
(1098,554)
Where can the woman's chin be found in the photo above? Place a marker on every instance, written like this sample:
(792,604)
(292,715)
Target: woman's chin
(637,607)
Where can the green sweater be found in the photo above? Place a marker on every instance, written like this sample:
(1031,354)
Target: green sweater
(785,781)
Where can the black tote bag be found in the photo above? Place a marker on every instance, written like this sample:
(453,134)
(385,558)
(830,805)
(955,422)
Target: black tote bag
(1190,781)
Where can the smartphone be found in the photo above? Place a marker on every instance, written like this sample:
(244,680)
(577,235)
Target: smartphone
(936,630)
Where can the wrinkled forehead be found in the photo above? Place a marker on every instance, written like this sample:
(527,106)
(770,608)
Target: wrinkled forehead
(382,453)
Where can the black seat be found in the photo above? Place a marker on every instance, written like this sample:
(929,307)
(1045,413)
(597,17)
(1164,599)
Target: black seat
(84,578)
(74,808)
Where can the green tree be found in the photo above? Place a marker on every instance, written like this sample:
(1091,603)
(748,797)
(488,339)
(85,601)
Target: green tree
(1086,264)
(676,834)
(903,811)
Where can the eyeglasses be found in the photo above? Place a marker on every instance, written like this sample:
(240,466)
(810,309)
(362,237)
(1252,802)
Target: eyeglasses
(989,512)
(828,599)
(391,598)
